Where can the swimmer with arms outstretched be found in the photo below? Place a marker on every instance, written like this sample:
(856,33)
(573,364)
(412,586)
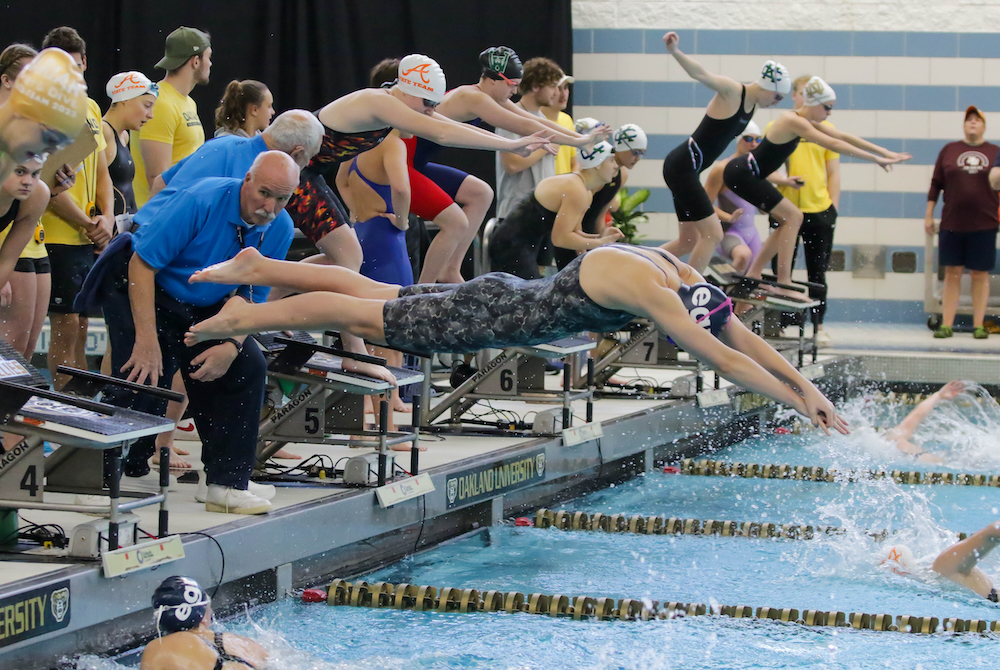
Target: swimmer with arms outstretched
(901,434)
(599,291)
(186,640)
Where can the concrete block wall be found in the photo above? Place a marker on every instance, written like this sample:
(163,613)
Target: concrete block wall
(904,73)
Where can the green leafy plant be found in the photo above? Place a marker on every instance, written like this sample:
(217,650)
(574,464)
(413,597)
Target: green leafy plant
(626,217)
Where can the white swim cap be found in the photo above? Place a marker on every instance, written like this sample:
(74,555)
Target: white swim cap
(127,85)
(586,124)
(630,137)
(422,77)
(774,77)
(601,152)
(817,92)
(899,559)
(752,129)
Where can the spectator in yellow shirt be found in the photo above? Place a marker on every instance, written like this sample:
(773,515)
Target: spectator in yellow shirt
(78,223)
(566,160)
(175,132)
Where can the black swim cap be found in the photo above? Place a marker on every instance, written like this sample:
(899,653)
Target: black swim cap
(180,604)
(498,61)
(708,305)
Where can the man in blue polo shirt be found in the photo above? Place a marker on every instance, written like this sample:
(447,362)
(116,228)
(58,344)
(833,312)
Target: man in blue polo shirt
(296,132)
(152,305)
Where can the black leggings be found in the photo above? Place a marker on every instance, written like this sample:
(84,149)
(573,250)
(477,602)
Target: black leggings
(816,234)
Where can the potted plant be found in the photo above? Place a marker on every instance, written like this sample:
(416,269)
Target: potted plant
(626,217)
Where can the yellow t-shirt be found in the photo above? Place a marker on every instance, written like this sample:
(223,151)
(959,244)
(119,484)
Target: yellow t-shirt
(809,162)
(34,248)
(175,122)
(564,159)
(83,192)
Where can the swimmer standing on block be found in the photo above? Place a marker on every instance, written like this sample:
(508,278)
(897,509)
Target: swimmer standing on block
(46,110)
(601,291)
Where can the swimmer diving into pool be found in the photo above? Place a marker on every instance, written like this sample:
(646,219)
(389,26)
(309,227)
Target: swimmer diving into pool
(901,434)
(186,640)
(599,291)
(957,563)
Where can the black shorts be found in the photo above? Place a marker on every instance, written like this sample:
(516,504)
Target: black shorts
(973,251)
(680,172)
(744,179)
(70,265)
(38,266)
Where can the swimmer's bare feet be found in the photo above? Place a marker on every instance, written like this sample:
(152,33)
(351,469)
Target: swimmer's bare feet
(224,324)
(285,455)
(400,406)
(405,446)
(240,269)
(176,463)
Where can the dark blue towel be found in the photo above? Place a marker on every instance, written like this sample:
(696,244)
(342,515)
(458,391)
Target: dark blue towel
(90,297)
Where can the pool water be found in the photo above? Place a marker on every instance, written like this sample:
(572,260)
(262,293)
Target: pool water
(836,572)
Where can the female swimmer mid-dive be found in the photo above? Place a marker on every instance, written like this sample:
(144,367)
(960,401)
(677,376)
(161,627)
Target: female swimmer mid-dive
(601,290)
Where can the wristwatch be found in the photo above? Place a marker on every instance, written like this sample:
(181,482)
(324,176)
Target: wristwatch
(236,343)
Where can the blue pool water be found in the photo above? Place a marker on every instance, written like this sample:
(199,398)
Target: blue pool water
(839,572)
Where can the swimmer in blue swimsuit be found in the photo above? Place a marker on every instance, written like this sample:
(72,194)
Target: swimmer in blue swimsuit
(601,290)
(382,238)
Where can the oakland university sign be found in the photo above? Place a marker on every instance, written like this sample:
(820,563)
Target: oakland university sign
(489,481)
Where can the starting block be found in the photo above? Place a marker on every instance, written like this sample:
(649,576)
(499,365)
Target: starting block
(764,309)
(516,373)
(84,429)
(323,399)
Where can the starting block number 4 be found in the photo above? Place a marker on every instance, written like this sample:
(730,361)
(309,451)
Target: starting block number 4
(21,472)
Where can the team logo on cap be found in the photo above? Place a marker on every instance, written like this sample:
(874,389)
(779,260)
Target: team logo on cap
(814,88)
(771,73)
(423,70)
(598,149)
(498,61)
(625,136)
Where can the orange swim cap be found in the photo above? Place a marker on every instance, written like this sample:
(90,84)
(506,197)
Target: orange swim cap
(50,90)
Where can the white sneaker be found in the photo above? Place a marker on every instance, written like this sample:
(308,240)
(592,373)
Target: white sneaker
(235,501)
(84,499)
(823,340)
(265,491)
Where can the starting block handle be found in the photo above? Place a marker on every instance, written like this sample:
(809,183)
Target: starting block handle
(27,391)
(362,358)
(96,381)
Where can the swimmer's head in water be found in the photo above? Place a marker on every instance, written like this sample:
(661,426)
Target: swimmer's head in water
(422,77)
(708,305)
(817,92)
(179,604)
(50,91)
(501,64)
(774,77)
(898,558)
(592,158)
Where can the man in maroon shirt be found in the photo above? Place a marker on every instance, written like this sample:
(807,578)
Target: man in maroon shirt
(968,237)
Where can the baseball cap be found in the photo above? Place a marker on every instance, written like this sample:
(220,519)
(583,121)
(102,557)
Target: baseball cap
(972,109)
(566,79)
(182,44)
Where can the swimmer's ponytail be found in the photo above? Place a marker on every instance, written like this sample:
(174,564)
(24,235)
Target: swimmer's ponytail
(231,113)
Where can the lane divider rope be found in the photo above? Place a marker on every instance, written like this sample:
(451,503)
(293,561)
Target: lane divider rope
(710,468)
(661,525)
(448,599)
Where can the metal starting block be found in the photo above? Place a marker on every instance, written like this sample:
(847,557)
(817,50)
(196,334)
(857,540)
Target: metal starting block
(84,429)
(516,373)
(763,310)
(324,400)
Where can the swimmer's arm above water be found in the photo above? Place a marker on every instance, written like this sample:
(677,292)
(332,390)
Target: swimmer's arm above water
(959,562)
(818,408)
(908,426)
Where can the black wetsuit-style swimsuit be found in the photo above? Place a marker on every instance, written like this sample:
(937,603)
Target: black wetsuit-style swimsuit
(682,166)
(8,218)
(589,223)
(495,310)
(746,176)
(122,172)
(515,242)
